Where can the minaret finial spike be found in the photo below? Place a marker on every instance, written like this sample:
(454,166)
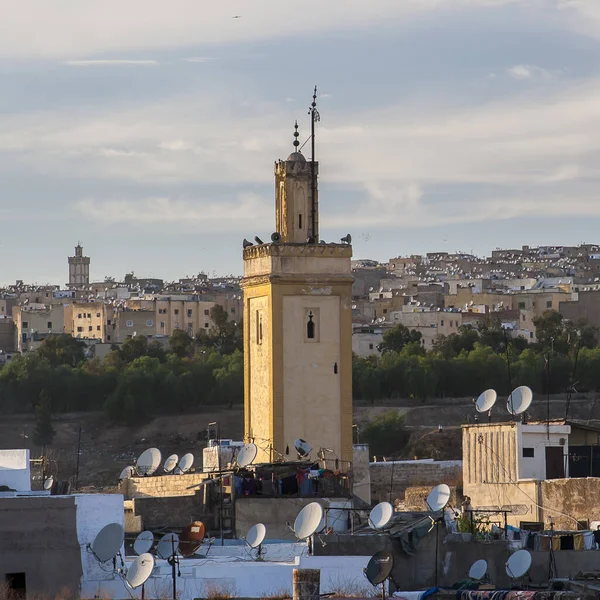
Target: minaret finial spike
(296,134)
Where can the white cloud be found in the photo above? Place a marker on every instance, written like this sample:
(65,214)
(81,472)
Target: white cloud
(198,59)
(63,27)
(234,215)
(528,72)
(110,62)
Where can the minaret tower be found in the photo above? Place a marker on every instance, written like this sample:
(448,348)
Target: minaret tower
(298,325)
(79,269)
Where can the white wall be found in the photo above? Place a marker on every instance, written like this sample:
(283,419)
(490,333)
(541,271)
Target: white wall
(536,437)
(93,512)
(14,470)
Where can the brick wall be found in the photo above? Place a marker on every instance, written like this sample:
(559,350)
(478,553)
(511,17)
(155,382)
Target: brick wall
(400,475)
(161,486)
(415,497)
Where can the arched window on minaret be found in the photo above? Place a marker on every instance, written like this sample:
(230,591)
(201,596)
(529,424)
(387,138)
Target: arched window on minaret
(310,326)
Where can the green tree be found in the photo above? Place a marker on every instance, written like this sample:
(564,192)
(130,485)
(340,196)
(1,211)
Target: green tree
(225,336)
(62,350)
(181,343)
(43,434)
(399,336)
(551,332)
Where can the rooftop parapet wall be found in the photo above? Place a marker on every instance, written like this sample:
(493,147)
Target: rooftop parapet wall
(161,486)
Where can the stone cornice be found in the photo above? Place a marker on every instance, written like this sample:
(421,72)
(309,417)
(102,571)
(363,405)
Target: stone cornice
(324,280)
(292,250)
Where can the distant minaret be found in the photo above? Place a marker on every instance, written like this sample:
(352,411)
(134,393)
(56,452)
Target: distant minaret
(79,268)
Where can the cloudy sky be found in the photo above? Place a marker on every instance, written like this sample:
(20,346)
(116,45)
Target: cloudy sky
(147,129)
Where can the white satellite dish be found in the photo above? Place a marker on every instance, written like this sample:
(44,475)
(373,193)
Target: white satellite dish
(171,463)
(380,516)
(256,535)
(143,542)
(308,520)
(438,497)
(478,569)
(518,564)
(48,483)
(519,400)
(247,455)
(148,461)
(140,570)
(185,464)
(303,448)
(127,473)
(168,545)
(108,542)
(486,400)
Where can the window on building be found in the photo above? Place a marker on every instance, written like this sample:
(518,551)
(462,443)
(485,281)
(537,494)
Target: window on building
(206,311)
(531,334)
(89,315)
(528,453)
(98,328)
(385,311)
(233,310)
(300,221)
(108,321)
(370,346)
(442,323)
(90,328)
(162,324)
(108,338)
(312,325)
(189,313)
(98,315)
(149,323)
(79,315)
(176,311)
(162,311)
(25,324)
(24,337)
(129,323)
(522,305)
(79,329)
(451,323)
(49,324)
(190,326)
(206,326)
(522,317)
(549,304)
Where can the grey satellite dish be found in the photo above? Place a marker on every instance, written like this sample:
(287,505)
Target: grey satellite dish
(108,542)
(247,455)
(143,542)
(168,545)
(256,535)
(303,448)
(518,564)
(308,520)
(519,400)
(49,483)
(478,569)
(127,473)
(486,400)
(438,497)
(185,464)
(140,570)
(148,461)
(171,463)
(380,516)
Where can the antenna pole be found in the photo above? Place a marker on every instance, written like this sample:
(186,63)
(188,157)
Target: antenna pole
(314,114)
(508,368)
(548,396)
(77,463)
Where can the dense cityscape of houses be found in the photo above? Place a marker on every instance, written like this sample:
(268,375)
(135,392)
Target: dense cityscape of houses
(434,294)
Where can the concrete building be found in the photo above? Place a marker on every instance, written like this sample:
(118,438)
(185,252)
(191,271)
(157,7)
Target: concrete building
(79,269)
(298,328)
(33,323)
(123,323)
(365,340)
(86,320)
(430,323)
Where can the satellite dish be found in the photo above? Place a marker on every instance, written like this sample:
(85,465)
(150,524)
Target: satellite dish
(519,400)
(308,520)
(486,400)
(256,535)
(380,516)
(108,542)
(127,473)
(303,448)
(143,542)
(247,455)
(518,564)
(191,538)
(168,545)
(438,497)
(49,483)
(379,568)
(148,461)
(478,569)
(185,464)
(140,570)
(171,463)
